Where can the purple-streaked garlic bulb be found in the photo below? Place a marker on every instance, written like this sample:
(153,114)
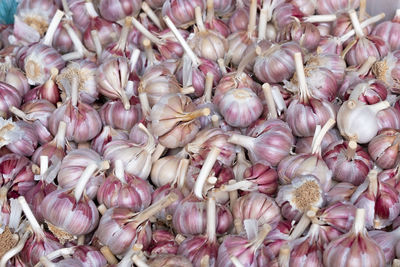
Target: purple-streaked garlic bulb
(203,248)
(112,78)
(284,13)
(308,163)
(303,194)
(32,20)
(107,31)
(120,48)
(189,217)
(333,6)
(114,114)
(207,43)
(305,33)
(387,241)
(379,199)
(181,12)
(364,46)
(240,40)
(304,144)
(391,177)
(69,212)
(166,214)
(313,110)
(354,247)
(175,120)
(84,71)
(48,90)
(370,92)
(168,169)
(255,206)
(332,62)
(26,145)
(305,6)
(169,260)
(163,242)
(241,164)
(16,173)
(214,23)
(348,161)
(212,137)
(136,158)
(40,243)
(55,149)
(14,76)
(340,192)
(339,215)
(119,227)
(107,135)
(384,148)
(83,120)
(240,107)
(124,190)
(239,19)
(389,31)
(245,251)
(269,141)
(118,10)
(74,164)
(389,118)
(276,63)
(62,42)
(9,97)
(358,121)
(388,71)
(265,177)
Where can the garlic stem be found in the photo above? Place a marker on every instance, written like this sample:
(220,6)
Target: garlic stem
(242,140)
(356,24)
(75,40)
(158,152)
(205,261)
(134,59)
(236,262)
(396,15)
(90,9)
(359,222)
(102,209)
(320,18)
(233,195)
(153,16)
(148,50)
(150,146)
(72,56)
(278,99)
(55,21)
(144,101)
(316,148)
(195,60)
(146,32)
(44,165)
(60,135)
(373,182)
(366,66)
(74,90)
(362,9)
(19,113)
(155,208)
(270,101)
(111,259)
(215,121)
(208,87)
(302,225)
(396,263)
(138,261)
(205,171)
(119,170)
(252,17)
(183,168)
(351,150)
(199,20)
(266,228)
(210,11)
(284,256)
(121,44)
(15,250)
(211,220)
(125,100)
(31,218)
(187,90)
(46,262)
(262,24)
(195,114)
(96,42)
(303,89)
(221,65)
(83,180)
(379,106)
(241,185)
(66,9)
(249,57)
(60,253)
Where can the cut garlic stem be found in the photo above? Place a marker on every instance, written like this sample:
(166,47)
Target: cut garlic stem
(270,101)
(153,16)
(205,171)
(55,21)
(320,18)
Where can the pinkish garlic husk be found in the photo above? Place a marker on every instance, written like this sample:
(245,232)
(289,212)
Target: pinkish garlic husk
(107,135)
(387,241)
(271,141)
(358,121)
(370,92)
(16,173)
(48,90)
(174,120)
(301,195)
(124,190)
(384,148)
(114,114)
(166,214)
(115,11)
(240,165)
(27,143)
(339,215)
(163,242)
(36,110)
(14,76)
(348,161)
(9,97)
(332,6)
(303,145)
(283,14)
(136,158)
(354,247)
(166,170)
(181,12)
(169,260)
(119,227)
(389,31)
(389,118)
(10,132)
(332,62)
(74,164)
(62,41)
(264,176)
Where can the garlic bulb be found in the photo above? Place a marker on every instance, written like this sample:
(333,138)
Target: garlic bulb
(384,148)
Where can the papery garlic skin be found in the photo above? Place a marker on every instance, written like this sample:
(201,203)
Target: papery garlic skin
(333,6)
(118,10)
(384,148)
